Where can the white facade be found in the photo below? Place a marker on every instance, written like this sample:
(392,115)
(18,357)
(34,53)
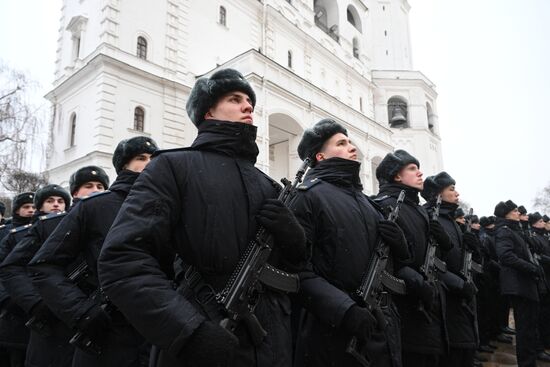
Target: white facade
(306,60)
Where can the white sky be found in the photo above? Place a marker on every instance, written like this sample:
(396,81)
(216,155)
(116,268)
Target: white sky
(488,58)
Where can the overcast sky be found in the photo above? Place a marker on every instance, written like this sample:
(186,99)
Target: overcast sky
(489,60)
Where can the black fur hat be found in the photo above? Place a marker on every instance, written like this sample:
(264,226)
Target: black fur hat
(87,174)
(474,218)
(22,199)
(2,208)
(503,208)
(314,138)
(545,218)
(459,212)
(207,91)
(127,149)
(487,221)
(522,210)
(534,218)
(51,190)
(392,164)
(434,185)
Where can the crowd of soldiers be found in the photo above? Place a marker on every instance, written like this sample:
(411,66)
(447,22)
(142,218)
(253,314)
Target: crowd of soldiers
(194,257)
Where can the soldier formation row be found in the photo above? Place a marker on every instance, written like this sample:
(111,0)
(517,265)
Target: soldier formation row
(200,259)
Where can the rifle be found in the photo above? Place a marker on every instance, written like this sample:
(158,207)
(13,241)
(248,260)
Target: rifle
(535,258)
(370,293)
(469,265)
(78,275)
(432,264)
(241,294)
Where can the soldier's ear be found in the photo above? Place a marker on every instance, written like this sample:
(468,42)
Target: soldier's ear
(319,157)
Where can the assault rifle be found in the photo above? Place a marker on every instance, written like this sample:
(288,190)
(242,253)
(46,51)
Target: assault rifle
(79,275)
(469,265)
(432,263)
(370,293)
(242,292)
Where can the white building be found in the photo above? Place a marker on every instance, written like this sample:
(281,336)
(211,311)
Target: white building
(125,68)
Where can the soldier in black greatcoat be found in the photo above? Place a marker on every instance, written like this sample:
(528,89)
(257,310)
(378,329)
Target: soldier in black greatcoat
(49,337)
(342,229)
(203,203)
(14,336)
(80,235)
(423,334)
(461,312)
(518,280)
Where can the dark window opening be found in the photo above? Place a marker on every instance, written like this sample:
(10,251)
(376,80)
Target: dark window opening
(139,119)
(141,48)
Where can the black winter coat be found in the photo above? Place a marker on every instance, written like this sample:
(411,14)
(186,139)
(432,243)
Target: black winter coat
(418,334)
(461,315)
(13,332)
(518,276)
(200,203)
(80,235)
(341,226)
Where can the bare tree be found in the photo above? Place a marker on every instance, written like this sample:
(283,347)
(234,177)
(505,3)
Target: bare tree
(464,205)
(17,181)
(542,200)
(19,124)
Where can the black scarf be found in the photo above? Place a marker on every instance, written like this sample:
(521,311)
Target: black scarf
(448,209)
(512,224)
(234,139)
(338,171)
(124,181)
(393,190)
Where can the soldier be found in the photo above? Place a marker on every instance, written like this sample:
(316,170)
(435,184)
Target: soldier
(460,216)
(460,309)
(546,220)
(541,248)
(518,280)
(80,235)
(4,224)
(342,229)
(203,203)
(49,337)
(13,334)
(423,333)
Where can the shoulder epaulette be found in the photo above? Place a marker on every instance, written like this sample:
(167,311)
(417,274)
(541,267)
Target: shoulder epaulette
(306,185)
(52,215)
(21,228)
(94,195)
(381,198)
(160,151)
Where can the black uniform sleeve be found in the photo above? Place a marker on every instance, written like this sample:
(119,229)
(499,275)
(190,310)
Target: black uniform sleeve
(129,266)
(316,294)
(49,266)
(507,256)
(13,271)
(4,251)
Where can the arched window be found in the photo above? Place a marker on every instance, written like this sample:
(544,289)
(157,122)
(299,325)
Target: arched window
(141,48)
(289,59)
(353,18)
(139,118)
(355,47)
(397,112)
(431,117)
(72,131)
(326,17)
(223,16)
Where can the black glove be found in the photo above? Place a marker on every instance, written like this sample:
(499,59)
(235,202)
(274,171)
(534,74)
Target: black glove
(394,237)
(360,322)
(470,241)
(428,295)
(94,323)
(283,225)
(210,345)
(468,291)
(440,236)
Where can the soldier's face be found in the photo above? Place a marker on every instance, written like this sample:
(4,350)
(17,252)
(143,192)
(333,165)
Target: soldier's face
(411,176)
(476,226)
(89,188)
(138,163)
(547,226)
(460,220)
(524,217)
(26,210)
(450,195)
(513,215)
(234,106)
(538,224)
(53,204)
(339,146)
